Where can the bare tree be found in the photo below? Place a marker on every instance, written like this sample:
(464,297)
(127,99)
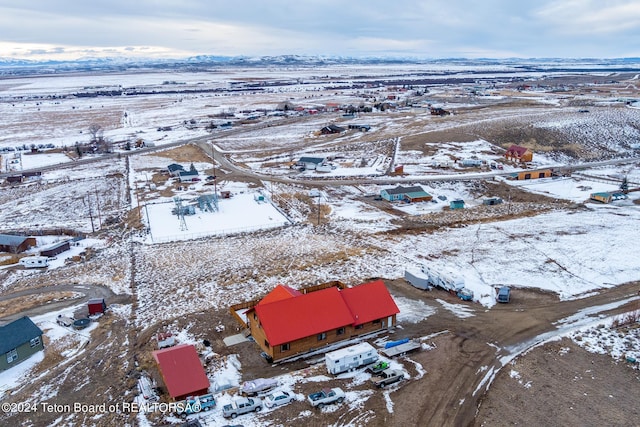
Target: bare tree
(96,132)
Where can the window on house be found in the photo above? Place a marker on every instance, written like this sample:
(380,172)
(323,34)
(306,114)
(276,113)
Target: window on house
(35,342)
(266,343)
(359,326)
(12,355)
(255,316)
(376,321)
(285,347)
(340,331)
(322,336)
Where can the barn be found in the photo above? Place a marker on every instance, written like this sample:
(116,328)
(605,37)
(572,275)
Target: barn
(56,249)
(15,244)
(182,371)
(286,322)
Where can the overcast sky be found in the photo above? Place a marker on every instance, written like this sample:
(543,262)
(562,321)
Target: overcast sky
(66,29)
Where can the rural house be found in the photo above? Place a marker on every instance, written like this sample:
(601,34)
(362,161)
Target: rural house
(408,194)
(182,371)
(331,129)
(175,169)
(19,340)
(310,163)
(286,322)
(15,244)
(518,153)
(188,176)
(547,173)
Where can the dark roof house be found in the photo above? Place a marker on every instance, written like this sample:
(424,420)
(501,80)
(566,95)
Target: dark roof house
(331,129)
(410,194)
(19,340)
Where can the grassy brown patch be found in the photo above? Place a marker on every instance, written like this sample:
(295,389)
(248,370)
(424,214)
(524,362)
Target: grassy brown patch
(18,304)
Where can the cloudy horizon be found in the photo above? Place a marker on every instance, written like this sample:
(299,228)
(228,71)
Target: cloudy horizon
(66,29)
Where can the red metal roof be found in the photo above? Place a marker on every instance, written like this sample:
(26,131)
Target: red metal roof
(279,293)
(369,301)
(517,150)
(182,370)
(305,315)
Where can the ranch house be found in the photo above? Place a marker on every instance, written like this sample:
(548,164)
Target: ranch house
(286,322)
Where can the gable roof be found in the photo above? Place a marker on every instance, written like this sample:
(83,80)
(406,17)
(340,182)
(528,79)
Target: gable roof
(11,240)
(16,333)
(315,160)
(305,315)
(174,167)
(280,293)
(405,190)
(189,173)
(298,316)
(181,370)
(517,149)
(369,301)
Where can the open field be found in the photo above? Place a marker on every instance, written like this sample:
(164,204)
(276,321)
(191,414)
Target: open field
(571,262)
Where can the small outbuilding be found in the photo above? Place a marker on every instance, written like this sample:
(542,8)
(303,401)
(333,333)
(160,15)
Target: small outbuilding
(56,249)
(456,204)
(182,371)
(331,129)
(19,340)
(96,306)
(310,163)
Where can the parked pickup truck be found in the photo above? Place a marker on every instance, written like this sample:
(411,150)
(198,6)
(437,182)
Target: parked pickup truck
(386,377)
(241,405)
(325,397)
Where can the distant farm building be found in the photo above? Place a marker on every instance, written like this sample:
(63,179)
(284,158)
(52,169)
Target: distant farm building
(188,176)
(19,340)
(456,204)
(56,249)
(408,194)
(607,197)
(331,129)
(182,371)
(361,128)
(286,322)
(15,244)
(437,111)
(492,201)
(310,163)
(471,163)
(524,175)
(175,169)
(519,154)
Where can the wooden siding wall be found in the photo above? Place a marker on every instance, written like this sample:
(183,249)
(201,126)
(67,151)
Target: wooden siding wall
(310,343)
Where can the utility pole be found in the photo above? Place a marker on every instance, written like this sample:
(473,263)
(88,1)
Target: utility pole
(88,202)
(99,216)
(318,208)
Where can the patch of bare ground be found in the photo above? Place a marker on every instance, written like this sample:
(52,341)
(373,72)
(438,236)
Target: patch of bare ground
(185,154)
(18,304)
(563,384)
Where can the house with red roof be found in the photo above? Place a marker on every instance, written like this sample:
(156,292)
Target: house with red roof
(287,322)
(518,153)
(182,371)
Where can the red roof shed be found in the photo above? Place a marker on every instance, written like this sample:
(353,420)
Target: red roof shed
(96,306)
(182,371)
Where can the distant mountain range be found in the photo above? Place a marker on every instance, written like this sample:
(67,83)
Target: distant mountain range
(202,62)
